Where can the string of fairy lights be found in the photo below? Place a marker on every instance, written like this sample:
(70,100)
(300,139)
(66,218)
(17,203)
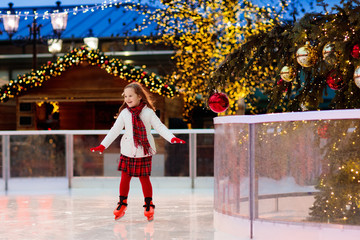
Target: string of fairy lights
(115,67)
(74,10)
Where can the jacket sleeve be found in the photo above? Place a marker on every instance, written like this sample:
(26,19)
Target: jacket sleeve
(160,127)
(114,132)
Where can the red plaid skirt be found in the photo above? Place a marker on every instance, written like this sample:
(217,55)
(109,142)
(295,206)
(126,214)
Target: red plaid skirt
(135,167)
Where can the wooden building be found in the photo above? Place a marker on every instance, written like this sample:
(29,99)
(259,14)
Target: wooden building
(80,96)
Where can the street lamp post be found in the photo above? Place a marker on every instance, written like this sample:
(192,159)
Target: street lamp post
(58,22)
(35,32)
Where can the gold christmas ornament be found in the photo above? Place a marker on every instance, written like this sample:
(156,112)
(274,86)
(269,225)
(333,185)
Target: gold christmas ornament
(329,53)
(357,76)
(287,73)
(306,56)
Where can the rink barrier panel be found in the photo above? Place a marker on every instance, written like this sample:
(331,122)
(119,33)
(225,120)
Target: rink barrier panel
(260,228)
(192,158)
(194,180)
(6,160)
(251,158)
(69,156)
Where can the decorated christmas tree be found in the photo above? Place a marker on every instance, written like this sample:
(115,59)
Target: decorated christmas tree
(299,62)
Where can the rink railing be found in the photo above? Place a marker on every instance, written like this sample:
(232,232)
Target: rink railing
(65,155)
(288,175)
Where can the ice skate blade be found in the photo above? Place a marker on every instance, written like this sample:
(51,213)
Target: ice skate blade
(118,217)
(150,219)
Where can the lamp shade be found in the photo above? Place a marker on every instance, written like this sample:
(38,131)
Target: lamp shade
(55,45)
(11,23)
(59,21)
(91,42)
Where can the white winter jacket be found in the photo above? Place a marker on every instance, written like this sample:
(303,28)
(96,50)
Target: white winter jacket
(127,146)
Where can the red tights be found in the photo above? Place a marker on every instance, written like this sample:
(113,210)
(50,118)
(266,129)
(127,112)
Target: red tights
(125,185)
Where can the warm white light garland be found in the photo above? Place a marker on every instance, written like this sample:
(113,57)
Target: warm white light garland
(75,10)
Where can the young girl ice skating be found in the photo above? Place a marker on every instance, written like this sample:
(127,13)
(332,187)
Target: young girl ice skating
(137,145)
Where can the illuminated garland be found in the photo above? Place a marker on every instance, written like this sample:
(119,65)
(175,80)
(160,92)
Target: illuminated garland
(113,66)
(75,10)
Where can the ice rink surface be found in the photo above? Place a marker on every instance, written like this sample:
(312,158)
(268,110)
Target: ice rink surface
(87,214)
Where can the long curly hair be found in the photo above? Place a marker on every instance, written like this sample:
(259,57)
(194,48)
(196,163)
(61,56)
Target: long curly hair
(139,90)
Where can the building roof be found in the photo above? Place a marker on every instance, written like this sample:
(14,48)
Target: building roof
(115,21)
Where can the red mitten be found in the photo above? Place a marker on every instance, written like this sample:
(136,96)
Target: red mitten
(99,148)
(177,140)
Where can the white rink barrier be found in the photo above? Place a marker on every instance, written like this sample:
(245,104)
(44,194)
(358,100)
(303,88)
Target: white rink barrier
(47,159)
(268,169)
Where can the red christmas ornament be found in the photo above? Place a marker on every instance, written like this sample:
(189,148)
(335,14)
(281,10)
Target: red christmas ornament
(106,62)
(218,102)
(334,80)
(323,130)
(355,53)
(282,82)
(49,63)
